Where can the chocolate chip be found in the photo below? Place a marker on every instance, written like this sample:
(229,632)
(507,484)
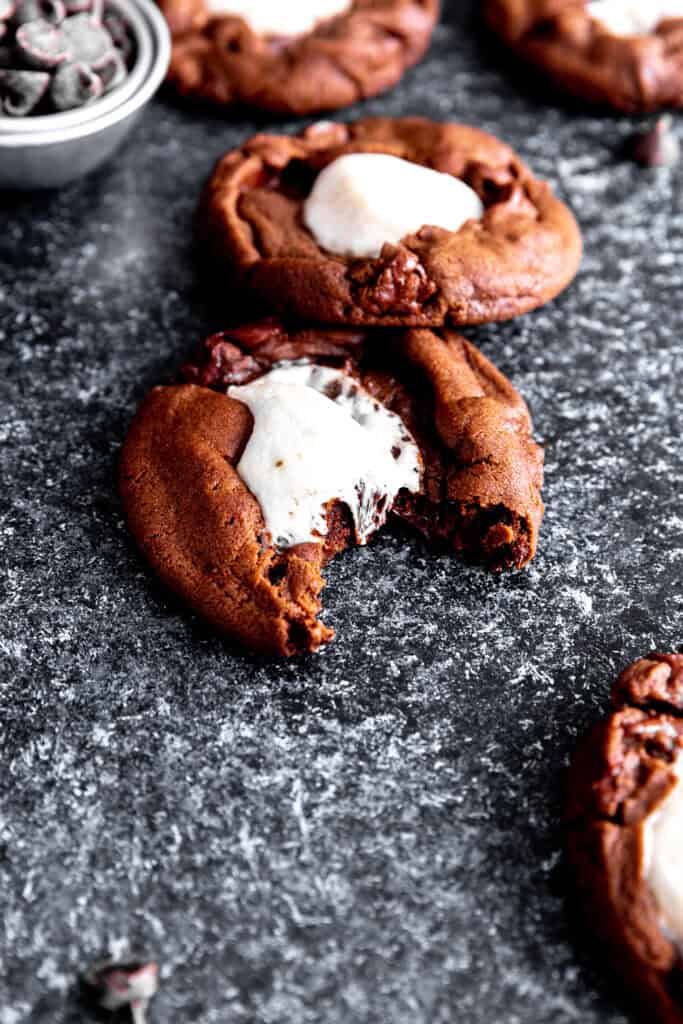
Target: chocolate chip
(53,11)
(89,43)
(74,85)
(116,985)
(67,39)
(120,34)
(657,147)
(111,70)
(22,91)
(41,44)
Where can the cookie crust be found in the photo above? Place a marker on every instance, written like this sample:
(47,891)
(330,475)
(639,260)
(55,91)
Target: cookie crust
(356,55)
(619,774)
(524,251)
(204,534)
(632,74)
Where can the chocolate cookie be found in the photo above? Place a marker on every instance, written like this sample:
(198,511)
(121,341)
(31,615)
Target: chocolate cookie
(284,60)
(507,244)
(625,839)
(333,431)
(622,53)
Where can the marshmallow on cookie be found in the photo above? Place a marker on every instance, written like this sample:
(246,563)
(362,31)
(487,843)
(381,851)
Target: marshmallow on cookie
(633,17)
(361,201)
(663,857)
(279,18)
(319,437)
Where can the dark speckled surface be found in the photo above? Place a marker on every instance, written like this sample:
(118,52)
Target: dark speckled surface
(370,835)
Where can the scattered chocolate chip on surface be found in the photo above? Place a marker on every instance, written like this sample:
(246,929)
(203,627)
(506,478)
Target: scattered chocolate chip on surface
(22,90)
(115,985)
(656,147)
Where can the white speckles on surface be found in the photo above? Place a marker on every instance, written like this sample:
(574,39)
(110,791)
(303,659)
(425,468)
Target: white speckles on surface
(371,834)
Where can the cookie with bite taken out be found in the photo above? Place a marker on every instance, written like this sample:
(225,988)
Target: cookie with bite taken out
(286,447)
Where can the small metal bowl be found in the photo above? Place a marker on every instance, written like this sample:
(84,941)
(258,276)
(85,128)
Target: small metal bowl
(52,150)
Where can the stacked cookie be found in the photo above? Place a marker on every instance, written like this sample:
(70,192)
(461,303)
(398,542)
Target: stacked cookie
(298,436)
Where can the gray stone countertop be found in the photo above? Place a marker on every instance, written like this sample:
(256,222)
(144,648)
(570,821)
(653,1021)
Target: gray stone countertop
(370,835)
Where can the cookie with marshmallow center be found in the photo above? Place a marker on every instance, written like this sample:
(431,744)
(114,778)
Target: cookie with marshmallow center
(624,54)
(402,222)
(286,447)
(295,58)
(625,836)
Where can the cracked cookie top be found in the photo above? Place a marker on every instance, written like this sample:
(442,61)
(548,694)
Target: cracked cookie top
(295,58)
(624,54)
(522,250)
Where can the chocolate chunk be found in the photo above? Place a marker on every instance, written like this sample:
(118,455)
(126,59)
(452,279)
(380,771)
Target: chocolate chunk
(656,147)
(111,70)
(396,281)
(120,34)
(74,85)
(41,44)
(53,11)
(114,985)
(88,41)
(22,91)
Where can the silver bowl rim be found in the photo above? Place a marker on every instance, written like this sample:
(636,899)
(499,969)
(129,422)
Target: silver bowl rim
(71,125)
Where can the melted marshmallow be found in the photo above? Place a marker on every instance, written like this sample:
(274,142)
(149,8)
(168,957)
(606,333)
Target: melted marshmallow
(633,17)
(319,436)
(663,857)
(363,200)
(279,17)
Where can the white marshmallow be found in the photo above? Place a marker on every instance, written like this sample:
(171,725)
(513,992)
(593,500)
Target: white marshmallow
(663,857)
(633,17)
(281,17)
(319,436)
(363,200)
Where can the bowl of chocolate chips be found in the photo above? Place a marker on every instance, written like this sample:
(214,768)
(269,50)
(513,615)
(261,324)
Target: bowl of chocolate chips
(75,76)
